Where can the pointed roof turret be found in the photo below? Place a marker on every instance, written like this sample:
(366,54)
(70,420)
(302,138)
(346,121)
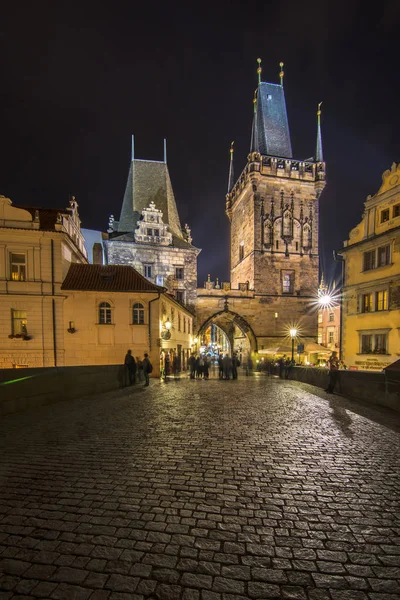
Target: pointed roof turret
(231,179)
(319,155)
(270,134)
(148,181)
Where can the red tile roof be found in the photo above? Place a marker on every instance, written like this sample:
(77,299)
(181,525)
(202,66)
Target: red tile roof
(112,278)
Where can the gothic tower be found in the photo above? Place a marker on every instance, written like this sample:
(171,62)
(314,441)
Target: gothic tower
(273,210)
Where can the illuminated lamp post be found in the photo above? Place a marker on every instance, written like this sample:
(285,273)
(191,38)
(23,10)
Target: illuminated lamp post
(293,334)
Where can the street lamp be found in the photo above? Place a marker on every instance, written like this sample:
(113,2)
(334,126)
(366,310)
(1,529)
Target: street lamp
(293,334)
(168,324)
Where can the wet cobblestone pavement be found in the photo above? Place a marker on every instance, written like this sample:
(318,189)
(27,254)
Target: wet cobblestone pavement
(201,490)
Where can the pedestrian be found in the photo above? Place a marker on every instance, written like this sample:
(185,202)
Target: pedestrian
(167,366)
(147,368)
(333,364)
(206,367)
(175,367)
(227,366)
(139,365)
(249,365)
(281,364)
(221,366)
(130,365)
(192,366)
(235,365)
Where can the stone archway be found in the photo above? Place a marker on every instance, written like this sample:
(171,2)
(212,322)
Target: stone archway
(239,333)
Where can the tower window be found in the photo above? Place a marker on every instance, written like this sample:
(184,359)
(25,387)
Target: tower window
(277,244)
(150,232)
(179,273)
(148,271)
(241,251)
(288,282)
(297,246)
(180,296)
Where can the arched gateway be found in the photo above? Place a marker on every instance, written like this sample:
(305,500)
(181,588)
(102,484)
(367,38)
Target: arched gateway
(237,330)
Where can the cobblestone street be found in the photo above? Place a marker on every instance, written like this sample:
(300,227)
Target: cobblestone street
(201,490)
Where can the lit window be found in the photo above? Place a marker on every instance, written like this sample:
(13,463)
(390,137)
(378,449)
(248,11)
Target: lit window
(19,323)
(320,316)
(330,336)
(179,273)
(138,314)
(105,313)
(148,269)
(369,260)
(331,316)
(241,251)
(287,283)
(381,300)
(18,267)
(396,210)
(385,215)
(383,256)
(366,303)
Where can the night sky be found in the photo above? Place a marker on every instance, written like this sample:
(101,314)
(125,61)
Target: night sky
(78,80)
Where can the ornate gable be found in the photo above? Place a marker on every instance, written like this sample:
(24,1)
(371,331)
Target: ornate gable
(151,229)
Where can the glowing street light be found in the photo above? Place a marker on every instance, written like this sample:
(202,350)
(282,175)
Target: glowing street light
(293,334)
(168,324)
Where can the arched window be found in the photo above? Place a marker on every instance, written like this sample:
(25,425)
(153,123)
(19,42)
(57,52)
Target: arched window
(105,313)
(138,314)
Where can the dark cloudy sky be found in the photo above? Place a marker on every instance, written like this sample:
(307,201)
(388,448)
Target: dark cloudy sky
(78,79)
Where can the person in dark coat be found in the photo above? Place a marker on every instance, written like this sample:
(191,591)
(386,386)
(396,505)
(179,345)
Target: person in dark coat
(130,365)
(221,366)
(333,363)
(235,364)
(206,367)
(192,366)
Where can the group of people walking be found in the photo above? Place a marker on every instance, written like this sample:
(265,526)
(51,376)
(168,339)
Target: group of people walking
(138,370)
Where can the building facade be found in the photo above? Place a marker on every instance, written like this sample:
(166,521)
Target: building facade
(110,309)
(37,247)
(148,234)
(273,210)
(371,281)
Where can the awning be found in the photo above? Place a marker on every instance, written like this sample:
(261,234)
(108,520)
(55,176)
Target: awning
(313,348)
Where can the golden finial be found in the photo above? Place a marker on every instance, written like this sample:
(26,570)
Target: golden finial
(259,70)
(281,74)
(232,150)
(319,109)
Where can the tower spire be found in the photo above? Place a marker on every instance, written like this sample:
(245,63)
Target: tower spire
(253,141)
(231,174)
(259,70)
(282,72)
(165,150)
(133,148)
(319,156)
